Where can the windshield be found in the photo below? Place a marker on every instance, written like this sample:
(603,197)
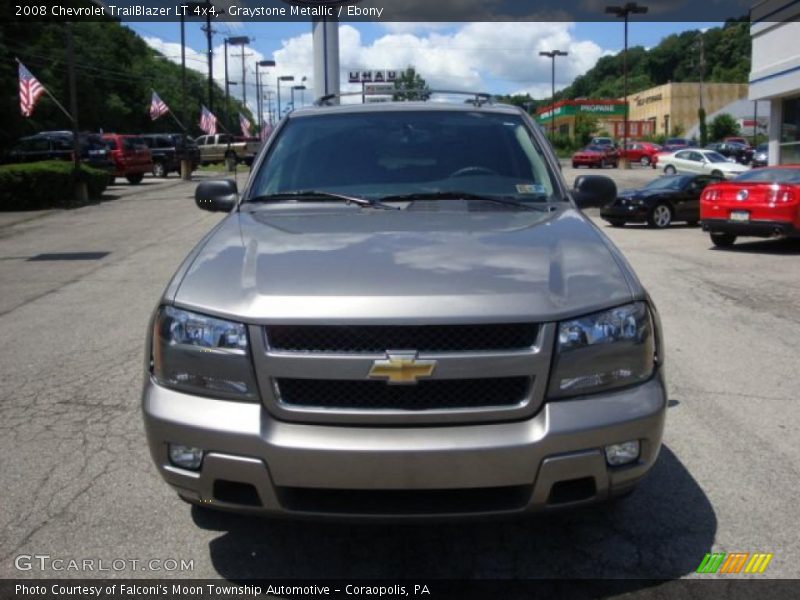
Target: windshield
(770,176)
(399,152)
(674,182)
(715,157)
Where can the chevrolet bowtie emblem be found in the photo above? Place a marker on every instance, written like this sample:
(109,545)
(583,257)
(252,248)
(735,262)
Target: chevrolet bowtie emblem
(401,368)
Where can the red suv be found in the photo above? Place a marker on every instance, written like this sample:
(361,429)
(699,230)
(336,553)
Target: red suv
(130,155)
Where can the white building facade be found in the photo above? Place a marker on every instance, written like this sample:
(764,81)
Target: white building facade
(775,74)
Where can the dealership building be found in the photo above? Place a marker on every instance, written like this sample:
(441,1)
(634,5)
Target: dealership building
(677,104)
(658,110)
(775,74)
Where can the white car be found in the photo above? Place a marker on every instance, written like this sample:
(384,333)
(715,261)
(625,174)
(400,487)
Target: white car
(695,160)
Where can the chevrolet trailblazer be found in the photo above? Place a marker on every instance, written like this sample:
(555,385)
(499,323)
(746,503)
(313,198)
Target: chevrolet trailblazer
(404,314)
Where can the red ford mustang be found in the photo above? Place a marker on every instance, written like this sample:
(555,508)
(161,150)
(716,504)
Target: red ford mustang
(596,156)
(760,203)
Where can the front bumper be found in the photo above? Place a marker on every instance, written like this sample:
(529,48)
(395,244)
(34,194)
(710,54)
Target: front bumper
(628,212)
(764,229)
(254,463)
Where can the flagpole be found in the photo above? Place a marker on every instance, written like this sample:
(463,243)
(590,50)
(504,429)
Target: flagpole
(177,121)
(53,98)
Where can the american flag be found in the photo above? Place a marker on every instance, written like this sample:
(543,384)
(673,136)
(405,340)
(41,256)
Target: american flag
(29,91)
(208,122)
(265,131)
(244,123)
(158,107)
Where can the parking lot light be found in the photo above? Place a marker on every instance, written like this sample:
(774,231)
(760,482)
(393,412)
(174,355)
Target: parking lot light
(622,454)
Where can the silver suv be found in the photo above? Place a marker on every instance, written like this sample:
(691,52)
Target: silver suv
(404,314)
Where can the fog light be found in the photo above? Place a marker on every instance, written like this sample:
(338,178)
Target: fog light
(622,454)
(186,457)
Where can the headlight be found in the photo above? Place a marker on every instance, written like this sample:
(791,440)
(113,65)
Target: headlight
(200,354)
(603,351)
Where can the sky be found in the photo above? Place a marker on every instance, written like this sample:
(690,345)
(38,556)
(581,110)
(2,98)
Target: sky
(499,58)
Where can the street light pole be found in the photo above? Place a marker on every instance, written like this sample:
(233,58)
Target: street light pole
(299,88)
(552,56)
(282,78)
(260,100)
(183,69)
(630,8)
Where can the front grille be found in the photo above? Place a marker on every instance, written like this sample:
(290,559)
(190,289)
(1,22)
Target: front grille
(405,502)
(425,395)
(379,338)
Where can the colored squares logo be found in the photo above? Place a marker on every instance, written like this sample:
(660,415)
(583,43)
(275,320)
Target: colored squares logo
(734,562)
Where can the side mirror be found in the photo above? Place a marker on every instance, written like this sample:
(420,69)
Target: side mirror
(594,191)
(219,195)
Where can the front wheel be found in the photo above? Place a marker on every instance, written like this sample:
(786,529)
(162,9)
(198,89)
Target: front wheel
(717,174)
(135,179)
(645,161)
(660,216)
(159,170)
(723,240)
(670,170)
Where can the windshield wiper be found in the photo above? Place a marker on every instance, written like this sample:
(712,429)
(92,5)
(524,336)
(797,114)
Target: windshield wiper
(316,194)
(507,200)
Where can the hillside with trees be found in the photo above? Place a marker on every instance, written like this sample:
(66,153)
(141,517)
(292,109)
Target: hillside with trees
(675,59)
(115,72)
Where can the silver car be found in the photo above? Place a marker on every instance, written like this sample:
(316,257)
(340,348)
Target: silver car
(405,314)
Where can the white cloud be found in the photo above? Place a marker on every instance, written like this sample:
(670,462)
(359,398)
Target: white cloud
(498,57)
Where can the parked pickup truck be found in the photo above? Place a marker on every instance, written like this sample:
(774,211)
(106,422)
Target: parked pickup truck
(226,148)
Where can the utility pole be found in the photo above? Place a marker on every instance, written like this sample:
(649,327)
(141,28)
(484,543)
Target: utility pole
(625,12)
(81,190)
(210,32)
(244,55)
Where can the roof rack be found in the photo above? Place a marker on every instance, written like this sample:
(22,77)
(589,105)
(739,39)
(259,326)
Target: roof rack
(479,98)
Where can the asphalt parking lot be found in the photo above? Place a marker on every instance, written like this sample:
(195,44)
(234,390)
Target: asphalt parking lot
(78,287)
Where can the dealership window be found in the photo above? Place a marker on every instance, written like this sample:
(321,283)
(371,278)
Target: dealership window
(790,132)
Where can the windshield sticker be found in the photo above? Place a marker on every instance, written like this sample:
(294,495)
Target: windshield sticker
(527,188)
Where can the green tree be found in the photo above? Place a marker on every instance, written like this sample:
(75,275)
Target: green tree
(723,126)
(115,73)
(585,128)
(411,80)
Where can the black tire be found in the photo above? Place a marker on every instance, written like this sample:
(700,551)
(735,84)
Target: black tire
(135,179)
(616,222)
(645,161)
(160,170)
(723,240)
(660,216)
(717,174)
(574,165)
(670,170)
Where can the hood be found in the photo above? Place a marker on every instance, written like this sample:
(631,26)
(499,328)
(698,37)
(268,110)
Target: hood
(643,194)
(343,264)
(732,166)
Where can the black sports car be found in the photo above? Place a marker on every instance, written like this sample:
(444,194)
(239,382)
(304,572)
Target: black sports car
(662,201)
